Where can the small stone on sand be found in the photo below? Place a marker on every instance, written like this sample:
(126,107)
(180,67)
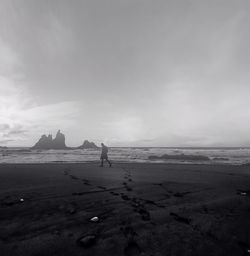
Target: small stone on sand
(94,219)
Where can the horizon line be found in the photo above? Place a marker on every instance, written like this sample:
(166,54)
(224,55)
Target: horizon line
(172,147)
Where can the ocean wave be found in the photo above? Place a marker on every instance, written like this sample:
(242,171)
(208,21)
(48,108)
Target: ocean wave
(139,155)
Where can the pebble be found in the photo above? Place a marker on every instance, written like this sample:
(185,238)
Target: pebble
(94,219)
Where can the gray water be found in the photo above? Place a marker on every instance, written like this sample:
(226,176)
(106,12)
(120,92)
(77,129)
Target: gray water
(235,156)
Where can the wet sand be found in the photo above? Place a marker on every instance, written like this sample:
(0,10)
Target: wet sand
(143,209)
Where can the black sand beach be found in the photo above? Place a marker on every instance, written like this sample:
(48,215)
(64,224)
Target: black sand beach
(143,209)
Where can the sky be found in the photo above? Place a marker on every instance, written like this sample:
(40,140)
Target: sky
(125,72)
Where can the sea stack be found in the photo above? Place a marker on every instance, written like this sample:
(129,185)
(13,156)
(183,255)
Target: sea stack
(47,142)
(88,145)
(59,141)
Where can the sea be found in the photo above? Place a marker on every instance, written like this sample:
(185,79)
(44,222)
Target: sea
(224,156)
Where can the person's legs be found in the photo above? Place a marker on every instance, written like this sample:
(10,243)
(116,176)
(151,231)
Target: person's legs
(101,162)
(105,157)
(108,162)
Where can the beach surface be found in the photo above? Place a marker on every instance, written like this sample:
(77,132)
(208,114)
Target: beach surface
(142,209)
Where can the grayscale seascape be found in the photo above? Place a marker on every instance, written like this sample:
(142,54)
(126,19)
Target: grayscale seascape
(124,127)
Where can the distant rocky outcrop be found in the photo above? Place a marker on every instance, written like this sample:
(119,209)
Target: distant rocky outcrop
(180,157)
(47,142)
(88,145)
(59,141)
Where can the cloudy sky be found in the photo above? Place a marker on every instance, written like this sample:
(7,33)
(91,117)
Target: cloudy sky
(126,72)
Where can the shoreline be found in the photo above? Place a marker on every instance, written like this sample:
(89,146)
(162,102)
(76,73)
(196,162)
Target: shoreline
(127,162)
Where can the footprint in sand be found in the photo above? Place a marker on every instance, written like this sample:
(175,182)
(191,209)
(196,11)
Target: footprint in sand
(128,188)
(127,175)
(141,209)
(124,197)
(154,203)
(86,182)
(73,177)
(128,178)
(145,215)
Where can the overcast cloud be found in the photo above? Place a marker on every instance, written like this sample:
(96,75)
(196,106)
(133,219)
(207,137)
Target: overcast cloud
(126,72)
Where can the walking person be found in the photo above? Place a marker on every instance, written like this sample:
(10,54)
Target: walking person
(104,155)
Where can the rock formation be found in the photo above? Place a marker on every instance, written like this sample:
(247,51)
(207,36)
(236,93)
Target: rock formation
(59,141)
(88,145)
(47,142)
